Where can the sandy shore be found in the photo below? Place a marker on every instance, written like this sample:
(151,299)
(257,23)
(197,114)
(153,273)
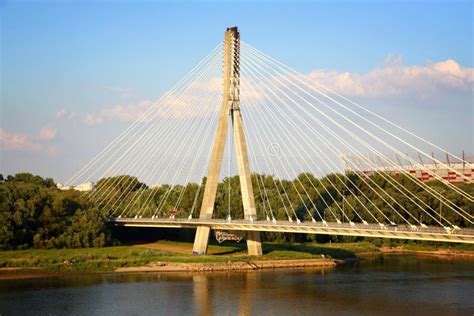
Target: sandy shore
(232,266)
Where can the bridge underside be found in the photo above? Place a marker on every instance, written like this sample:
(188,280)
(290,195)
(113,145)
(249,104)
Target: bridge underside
(396,232)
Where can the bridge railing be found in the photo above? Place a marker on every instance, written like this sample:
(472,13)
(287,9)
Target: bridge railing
(354,226)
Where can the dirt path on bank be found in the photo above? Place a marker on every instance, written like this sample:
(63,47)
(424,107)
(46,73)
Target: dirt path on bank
(183,248)
(168,247)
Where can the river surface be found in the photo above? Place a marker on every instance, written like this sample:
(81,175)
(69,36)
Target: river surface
(381,285)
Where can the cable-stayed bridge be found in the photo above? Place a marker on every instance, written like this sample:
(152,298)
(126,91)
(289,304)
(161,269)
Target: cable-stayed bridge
(258,149)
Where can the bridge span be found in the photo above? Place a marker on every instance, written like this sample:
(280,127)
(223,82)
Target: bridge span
(430,233)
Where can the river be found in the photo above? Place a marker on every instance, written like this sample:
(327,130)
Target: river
(379,285)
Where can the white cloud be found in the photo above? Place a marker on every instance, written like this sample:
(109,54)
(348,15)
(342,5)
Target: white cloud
(65,114)
(51,151)
(123,113)
(211,85)
(17,141)
(47,133)
(92,119)
(251,92)
(394,78)
(61,113)
(174,105)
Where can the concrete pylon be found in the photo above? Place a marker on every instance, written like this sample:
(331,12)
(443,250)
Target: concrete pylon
(230,109)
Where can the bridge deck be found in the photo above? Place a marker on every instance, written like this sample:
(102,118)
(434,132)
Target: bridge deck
(465,235)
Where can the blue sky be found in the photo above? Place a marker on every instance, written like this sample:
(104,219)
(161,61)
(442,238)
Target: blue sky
(63,60)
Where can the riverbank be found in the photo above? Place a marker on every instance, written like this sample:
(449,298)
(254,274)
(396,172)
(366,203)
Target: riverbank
(321,263)
(170,256)
(232,266)
(435,253)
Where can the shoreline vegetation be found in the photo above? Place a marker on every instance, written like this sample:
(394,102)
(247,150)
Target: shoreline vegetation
(34,213)
(171,256)
(47,231)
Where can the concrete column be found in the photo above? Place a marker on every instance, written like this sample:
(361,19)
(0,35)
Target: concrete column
(230,108)
(207,208)
(250,212)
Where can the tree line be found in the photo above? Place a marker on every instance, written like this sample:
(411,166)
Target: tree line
(34,213)
(334,196)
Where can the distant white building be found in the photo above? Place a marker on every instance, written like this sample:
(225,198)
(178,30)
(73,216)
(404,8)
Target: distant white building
(62,187)
(88,186)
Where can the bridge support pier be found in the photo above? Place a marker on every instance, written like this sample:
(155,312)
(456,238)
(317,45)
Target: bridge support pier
(254,246)
(201,240)
(230,110)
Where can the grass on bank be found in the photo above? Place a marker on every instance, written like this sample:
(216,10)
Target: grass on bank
(110,258)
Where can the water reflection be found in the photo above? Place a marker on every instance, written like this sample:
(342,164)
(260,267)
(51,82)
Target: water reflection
(201,295)
(379,285)
(238,298)
(247,294)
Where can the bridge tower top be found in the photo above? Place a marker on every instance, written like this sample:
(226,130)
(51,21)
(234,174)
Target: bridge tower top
(232,68)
